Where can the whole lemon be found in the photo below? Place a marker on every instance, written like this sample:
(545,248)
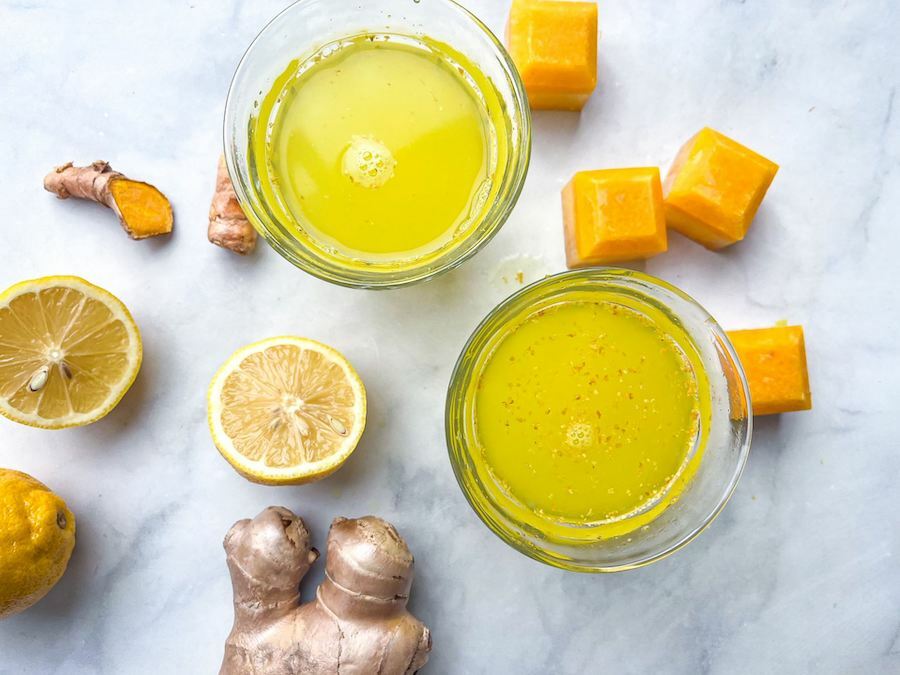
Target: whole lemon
(37,535)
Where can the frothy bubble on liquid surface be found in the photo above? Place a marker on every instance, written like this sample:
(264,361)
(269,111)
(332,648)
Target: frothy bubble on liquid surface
(580,435)
(368,162)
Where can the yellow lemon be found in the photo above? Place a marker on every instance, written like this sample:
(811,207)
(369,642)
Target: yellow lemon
(37,535)
(286,411)
(68,352)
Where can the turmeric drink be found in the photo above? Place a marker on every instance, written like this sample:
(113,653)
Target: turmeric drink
(380,149)
(587,414)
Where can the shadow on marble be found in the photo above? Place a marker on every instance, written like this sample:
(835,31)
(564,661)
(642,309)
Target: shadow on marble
(129,414)
(71,215)
(74,594)
(764,236)
(554,128)
(242,262)
(421,302)
(558,128)
(635,265)
(359,468)
(767,430)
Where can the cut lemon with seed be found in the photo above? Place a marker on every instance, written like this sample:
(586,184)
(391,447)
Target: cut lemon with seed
(68,352)
(286,411)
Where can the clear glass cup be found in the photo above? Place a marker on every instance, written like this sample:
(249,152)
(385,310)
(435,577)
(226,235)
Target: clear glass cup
(725,435)
(301,30)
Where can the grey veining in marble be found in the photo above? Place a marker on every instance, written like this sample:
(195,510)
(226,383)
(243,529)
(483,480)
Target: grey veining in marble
(800,574)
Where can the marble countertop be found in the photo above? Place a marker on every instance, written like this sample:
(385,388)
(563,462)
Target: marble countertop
(799,575)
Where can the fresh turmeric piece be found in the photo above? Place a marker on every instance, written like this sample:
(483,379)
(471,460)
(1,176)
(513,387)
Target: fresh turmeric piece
(357,623)
(143,210)
(774,360)
(228,225)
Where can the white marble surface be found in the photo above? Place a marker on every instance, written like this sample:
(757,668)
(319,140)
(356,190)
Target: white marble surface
(800,575)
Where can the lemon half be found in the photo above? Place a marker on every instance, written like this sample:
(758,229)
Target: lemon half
(286,411)
(69,351)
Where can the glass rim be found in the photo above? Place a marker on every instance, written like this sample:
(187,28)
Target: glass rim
(501,315)
(311,260)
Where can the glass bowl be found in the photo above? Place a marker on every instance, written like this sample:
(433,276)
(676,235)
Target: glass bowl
(723,436)
(299,32)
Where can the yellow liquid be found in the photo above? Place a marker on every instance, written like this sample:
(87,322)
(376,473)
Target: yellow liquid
(587,414)
(380,148)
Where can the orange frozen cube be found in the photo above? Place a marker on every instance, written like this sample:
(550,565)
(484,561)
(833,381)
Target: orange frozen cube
(613,215)
(774,360)
(714,189)
(554,45)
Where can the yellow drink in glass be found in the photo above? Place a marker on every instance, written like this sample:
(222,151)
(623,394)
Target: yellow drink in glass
(598,420)
(380,149)
(586,413)
(377,144)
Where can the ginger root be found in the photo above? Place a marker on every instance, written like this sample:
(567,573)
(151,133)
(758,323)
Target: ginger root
(358,622)
(143,210)
(228,226)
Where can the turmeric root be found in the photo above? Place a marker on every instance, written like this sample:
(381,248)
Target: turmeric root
(228,226)
(143,210)
(358,622)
